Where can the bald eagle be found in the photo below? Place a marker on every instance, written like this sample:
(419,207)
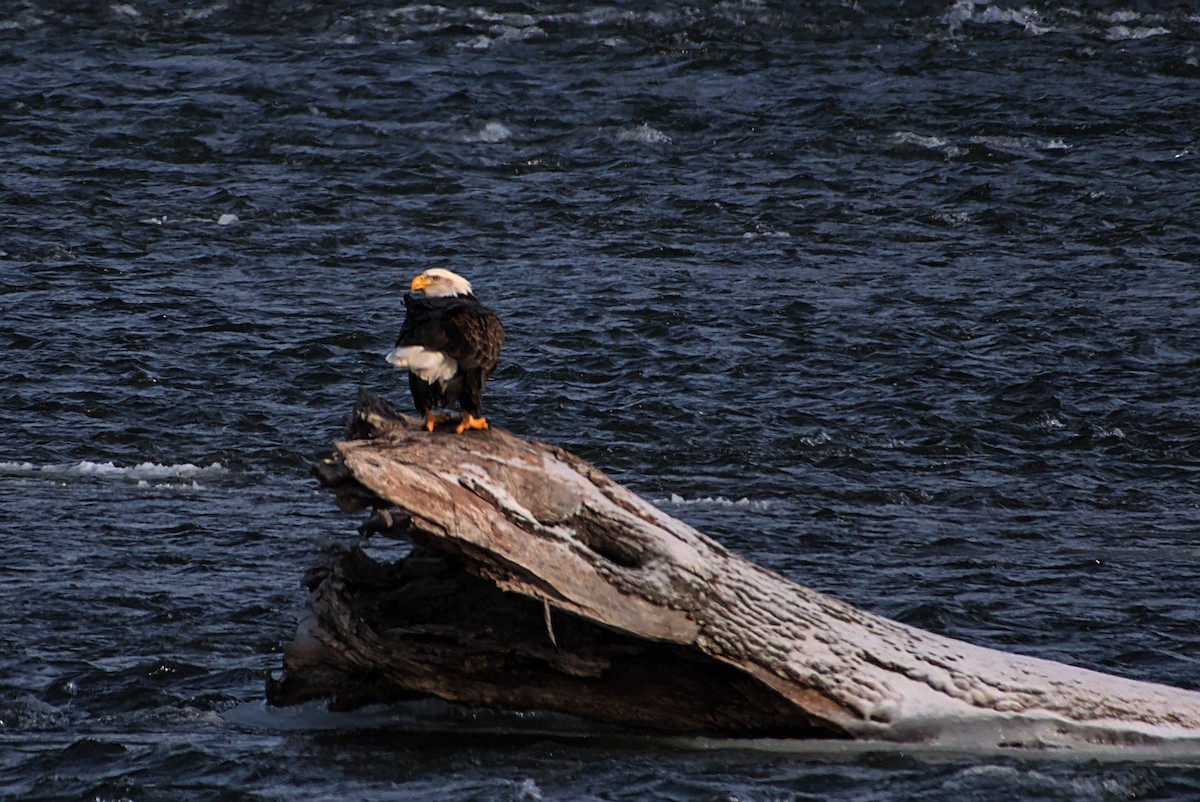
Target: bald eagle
(449,344)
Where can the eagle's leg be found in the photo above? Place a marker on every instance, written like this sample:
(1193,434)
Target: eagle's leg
(469,421)
(432,419)
(470,399)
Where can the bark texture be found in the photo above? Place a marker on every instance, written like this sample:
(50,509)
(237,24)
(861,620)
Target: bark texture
(538,583)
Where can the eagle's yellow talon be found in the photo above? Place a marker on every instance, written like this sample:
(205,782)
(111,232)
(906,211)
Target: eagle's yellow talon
(432,420)
(469,421)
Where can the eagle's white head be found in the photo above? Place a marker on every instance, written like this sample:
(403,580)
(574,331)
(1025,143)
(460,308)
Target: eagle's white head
(439,283)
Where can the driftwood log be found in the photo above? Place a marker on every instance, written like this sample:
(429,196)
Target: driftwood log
(537,583)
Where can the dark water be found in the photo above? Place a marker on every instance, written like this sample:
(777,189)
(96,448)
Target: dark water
(901,302)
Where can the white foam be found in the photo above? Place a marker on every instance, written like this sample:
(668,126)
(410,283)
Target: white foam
(528,789)
(203,13)
(142,472)
(954,219)
(818,439)
(720,501)
(173,486)
(1123,33)
(491,132)
(512,20)
(1020,143)
(920,140)
(763,231)
(518,33)
(914,139)
(643,134)
(480,42)
(965,11)
(1119,16)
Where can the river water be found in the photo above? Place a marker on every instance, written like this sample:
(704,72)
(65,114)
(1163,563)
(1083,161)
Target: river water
(901,300)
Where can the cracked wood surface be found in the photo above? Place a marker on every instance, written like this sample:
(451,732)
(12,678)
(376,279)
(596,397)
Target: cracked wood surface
(544,525)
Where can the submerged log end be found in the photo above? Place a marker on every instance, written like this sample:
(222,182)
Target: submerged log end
(424,626)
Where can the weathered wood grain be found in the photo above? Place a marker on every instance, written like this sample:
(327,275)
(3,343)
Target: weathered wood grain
(689,636)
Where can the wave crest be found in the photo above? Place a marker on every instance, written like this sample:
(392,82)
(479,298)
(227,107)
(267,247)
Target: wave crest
(143,472)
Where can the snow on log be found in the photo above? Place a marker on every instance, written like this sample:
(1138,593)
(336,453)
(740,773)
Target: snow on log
(539,583)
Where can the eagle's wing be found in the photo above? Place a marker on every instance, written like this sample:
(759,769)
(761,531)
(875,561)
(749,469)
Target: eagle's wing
(461,328)
(473,335)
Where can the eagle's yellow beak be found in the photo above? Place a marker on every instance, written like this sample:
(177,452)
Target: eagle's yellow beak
(421,282)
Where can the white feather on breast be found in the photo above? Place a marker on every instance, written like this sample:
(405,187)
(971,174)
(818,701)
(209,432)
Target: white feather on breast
(430,366)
